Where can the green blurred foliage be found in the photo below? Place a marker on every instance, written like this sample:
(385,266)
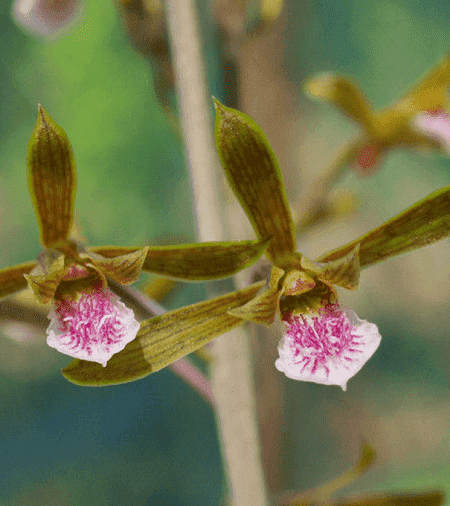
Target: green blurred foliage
(133,187)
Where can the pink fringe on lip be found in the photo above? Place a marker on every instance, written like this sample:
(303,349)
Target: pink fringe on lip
(95,327)
(328,348)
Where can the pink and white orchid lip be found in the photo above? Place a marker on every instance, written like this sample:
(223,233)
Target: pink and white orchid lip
(327,348)
(435,124)
(94,328)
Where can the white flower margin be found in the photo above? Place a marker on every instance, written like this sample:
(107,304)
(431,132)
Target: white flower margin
(94,328)
(327,348)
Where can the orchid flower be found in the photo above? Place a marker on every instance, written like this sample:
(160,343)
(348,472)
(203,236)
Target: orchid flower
(87,320)
(322,342)
(410,122)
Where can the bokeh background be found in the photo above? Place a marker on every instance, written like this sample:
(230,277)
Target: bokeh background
(154,442)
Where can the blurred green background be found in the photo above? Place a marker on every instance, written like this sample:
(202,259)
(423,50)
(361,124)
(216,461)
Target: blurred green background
(154,442)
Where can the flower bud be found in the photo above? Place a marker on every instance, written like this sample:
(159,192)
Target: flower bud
(46,17)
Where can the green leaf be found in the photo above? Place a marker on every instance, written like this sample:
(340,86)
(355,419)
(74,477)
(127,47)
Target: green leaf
(163,340)
(422,224)
(51,178)
(12,278)
(263,307)
(254,175)
(195,262)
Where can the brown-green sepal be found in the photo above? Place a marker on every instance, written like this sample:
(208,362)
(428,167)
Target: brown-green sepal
(195,262)
(253,172)
(346,95)
(12,278)
(343,272)
(422,224)
(46,276)
(51,178)
(125,268)
(430,93)
(263,307)
(163,340)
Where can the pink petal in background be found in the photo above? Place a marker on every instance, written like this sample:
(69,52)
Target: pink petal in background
(46,17)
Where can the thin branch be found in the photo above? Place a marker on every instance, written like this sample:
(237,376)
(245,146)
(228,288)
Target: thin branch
(311,204)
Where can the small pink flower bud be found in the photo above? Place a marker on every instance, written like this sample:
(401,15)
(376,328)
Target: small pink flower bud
(46,17)
(368,159)
(435,124)
(95,327)
(329,347)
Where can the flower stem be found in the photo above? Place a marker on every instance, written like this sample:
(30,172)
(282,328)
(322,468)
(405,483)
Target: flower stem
(309,205)
(231,373)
